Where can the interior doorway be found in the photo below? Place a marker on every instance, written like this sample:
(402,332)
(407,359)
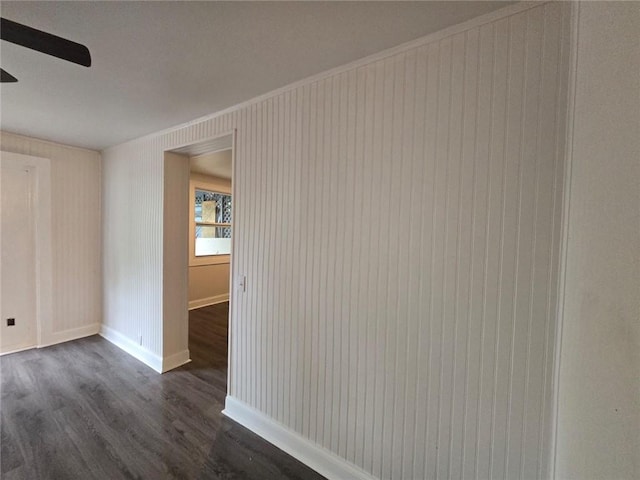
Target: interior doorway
(210,233)
(210,219)
(205,172)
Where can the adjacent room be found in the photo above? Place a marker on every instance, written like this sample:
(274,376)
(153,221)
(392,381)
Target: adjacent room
(306,240)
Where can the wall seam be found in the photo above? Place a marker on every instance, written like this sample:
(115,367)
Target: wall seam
(574,33)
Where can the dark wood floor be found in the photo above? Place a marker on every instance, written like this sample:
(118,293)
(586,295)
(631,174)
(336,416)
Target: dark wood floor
(87,410)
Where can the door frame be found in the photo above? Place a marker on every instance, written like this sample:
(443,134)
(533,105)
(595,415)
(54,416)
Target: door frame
(41,199)
(201,146)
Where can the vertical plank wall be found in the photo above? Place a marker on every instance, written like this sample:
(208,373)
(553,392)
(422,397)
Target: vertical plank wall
(132,193)
(76,235)
(398,226)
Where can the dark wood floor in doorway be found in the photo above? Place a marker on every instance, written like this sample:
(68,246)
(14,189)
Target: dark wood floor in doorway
(86,410)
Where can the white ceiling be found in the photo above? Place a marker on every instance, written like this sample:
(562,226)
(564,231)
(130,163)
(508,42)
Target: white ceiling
(159,64)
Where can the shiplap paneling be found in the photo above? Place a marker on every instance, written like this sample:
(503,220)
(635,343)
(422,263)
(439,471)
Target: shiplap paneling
(132,245)
(76,235)
(397,223)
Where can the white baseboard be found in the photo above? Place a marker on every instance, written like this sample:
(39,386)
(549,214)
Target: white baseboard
(132,348)
(17,349)
(205,302)
(176,360)
(311,454)
(147,357)
(59,337)
(71,334)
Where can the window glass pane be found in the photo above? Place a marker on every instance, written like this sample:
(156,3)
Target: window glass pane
(212,240)
(210,231)
(212,207)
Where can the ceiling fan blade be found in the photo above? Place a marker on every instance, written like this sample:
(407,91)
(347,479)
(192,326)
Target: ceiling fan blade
(6,77)
(44,42)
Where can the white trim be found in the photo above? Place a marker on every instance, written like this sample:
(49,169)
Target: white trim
(181,146)
(564,239)
(41,197)
(71,334)
(17,350)
(132,348)
(311,454)
(180,358)
(176,360)
(418,42)
(44,248)
(234,206)
(205,302)
(61,337)
(212,152)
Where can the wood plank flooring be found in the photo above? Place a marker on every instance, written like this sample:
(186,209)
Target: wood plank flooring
(87,410)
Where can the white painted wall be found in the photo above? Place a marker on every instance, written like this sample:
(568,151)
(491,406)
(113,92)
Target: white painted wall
(398,222)
(175,347)
(76,236)
(599,408)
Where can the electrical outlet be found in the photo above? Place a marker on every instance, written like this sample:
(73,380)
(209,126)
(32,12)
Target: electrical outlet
(11,322)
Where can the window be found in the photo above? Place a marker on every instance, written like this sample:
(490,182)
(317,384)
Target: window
(212,223)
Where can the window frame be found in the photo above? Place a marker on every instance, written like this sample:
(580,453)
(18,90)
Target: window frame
(210,184)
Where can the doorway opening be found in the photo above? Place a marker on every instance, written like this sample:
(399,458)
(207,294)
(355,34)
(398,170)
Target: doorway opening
(198,252)
(210,234)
